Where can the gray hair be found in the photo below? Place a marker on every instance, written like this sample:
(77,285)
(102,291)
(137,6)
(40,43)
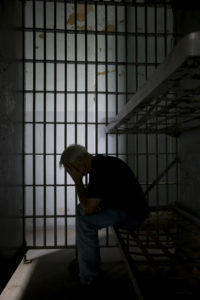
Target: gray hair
(71,153)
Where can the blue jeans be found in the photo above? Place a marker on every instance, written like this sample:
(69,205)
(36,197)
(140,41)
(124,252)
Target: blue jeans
(87,227)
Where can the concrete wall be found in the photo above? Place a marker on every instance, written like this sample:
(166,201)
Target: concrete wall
(187,20)
(11,107)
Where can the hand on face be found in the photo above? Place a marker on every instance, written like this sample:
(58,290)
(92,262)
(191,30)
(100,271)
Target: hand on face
(74,172)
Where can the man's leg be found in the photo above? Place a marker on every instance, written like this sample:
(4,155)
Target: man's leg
(88,242)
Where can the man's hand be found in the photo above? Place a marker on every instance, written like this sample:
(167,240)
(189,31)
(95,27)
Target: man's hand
(74,173)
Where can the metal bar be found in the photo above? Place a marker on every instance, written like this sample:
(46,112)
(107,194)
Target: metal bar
(60,61)
(55,117)
(64,247)
(157,143)
(78,92)
(146,77)
(106,87)
(75,86)
(106,69)
(34,132)
(187,215)
(65,123)
(86,82)
(126,74)
(44,127)
(121,3)
(51,216)
(136,85)
(151,34)
(154,183)
(132,269)
(122,153)
(96,80)
(52,185)
(116,73)
(23,122)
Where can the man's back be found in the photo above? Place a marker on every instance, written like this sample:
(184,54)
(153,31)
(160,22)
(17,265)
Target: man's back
(114,182)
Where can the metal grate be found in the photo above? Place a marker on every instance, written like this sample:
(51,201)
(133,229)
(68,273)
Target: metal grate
(169,101)
(82,63)
(163,255)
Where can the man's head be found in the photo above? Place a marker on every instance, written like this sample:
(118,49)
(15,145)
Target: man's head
(78,157)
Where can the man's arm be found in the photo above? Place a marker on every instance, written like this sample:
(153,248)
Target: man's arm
(89,205)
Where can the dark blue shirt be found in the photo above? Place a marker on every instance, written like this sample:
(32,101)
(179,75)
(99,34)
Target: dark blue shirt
(113,181)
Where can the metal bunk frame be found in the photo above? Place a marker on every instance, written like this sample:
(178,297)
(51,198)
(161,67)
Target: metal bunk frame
(162,256)
(169,100)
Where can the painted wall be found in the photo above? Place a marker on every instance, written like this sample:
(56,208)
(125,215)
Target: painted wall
(11,230)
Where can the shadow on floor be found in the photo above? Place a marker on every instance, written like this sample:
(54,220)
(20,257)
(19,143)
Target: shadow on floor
(52,279)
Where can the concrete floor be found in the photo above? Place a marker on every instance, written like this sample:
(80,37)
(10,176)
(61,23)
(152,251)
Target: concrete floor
(48,277)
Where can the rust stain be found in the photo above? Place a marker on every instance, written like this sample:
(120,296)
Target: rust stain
(110,28)
(61,210)
(81,27)
(71,19)
(90,8)
(121,21)
(91,28)
(36,47)
(101,73)
(80,14)
(41,36)
(104,72)
(94,89)
(100,49)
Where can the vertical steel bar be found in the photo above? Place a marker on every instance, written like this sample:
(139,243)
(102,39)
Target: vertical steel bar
(126,70)
(106,86)
(116,73)
(34,131)
(65,122)
(166,137)
(136,78)
(76,7)
(44,116)
(96,79)
(157,137)
(76,87)
(146,76)
(106,69)
(23,124)
(86,79)
(55,121)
